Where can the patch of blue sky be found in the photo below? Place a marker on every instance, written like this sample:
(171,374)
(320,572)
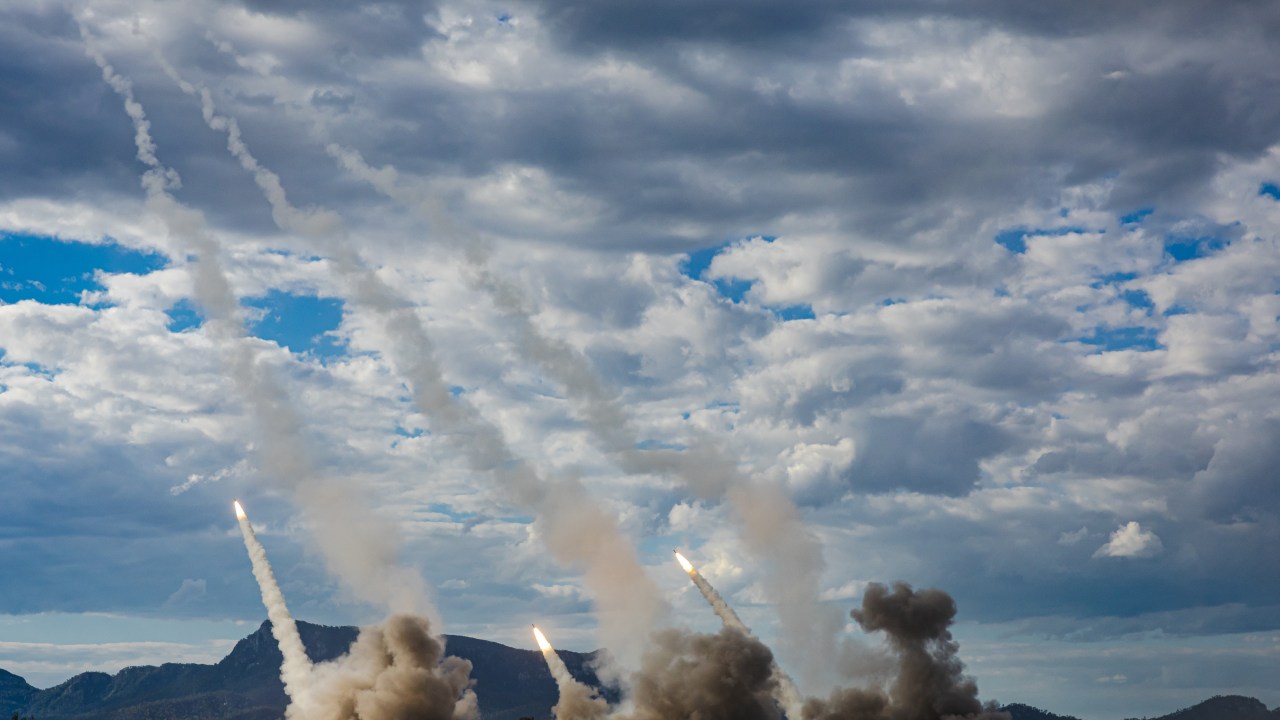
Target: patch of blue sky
(1269,189)
(1136,217)
(1113,279)
(56,272)
(697,262)
(1137,298)
(1182,249)
(35,369)
(40,370)
(449,512)
(1015,239)
(301,323)
(414,432)
(1107,339)
(802,311)
(183,315)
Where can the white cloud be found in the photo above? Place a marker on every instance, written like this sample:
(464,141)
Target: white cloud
(1131,541)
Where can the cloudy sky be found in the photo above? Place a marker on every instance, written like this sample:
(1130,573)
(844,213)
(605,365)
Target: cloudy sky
(989,289)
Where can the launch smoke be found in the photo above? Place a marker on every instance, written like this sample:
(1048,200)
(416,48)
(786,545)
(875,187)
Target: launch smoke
(577,700)
(786,693)
(392,672)
(930,683)
(726,676)
(295,670)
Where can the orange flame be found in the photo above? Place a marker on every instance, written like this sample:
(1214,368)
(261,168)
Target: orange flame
(239,510)
(688,566)
(543,645)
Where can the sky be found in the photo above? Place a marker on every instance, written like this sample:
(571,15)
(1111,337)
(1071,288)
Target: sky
(989,290)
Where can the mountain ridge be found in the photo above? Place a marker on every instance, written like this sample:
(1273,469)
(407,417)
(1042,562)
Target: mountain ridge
(245,685)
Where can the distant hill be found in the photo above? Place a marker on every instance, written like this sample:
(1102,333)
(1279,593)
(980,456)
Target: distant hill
(245,685)
(1225,707)
(1220,707)
(1018,711)
(15,693)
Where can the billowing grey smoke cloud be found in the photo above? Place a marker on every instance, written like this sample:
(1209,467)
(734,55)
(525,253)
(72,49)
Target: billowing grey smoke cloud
(393,671)
(930,684)
(726,676)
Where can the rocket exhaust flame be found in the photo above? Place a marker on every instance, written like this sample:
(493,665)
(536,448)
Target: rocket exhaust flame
(787,694)
(239,510)
(543,645)
(577,701)
(688,566)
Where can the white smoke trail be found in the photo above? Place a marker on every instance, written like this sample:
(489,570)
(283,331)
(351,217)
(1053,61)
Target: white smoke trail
(577,701)
(768,521)
(772,528)
(576,528)
(786,693)
(215,295)
(360,550)
(295,670)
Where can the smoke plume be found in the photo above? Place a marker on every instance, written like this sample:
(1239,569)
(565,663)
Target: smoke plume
(393,672)
(359,549)
(295,670)
(789,555)
(786,693)
(726,676)
(578,530)
(769,523)
(930,683)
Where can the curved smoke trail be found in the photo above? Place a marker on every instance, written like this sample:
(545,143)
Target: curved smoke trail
(577,529)
(214,293)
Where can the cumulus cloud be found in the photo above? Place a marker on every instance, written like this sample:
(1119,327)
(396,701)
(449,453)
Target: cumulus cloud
(1131,541)
(964,280)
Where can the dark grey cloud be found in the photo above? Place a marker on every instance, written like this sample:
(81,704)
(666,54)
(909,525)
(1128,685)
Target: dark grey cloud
(934,454)
(55,143)
(1238,485)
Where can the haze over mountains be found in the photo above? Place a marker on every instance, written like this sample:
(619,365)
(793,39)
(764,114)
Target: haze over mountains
(245,685)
